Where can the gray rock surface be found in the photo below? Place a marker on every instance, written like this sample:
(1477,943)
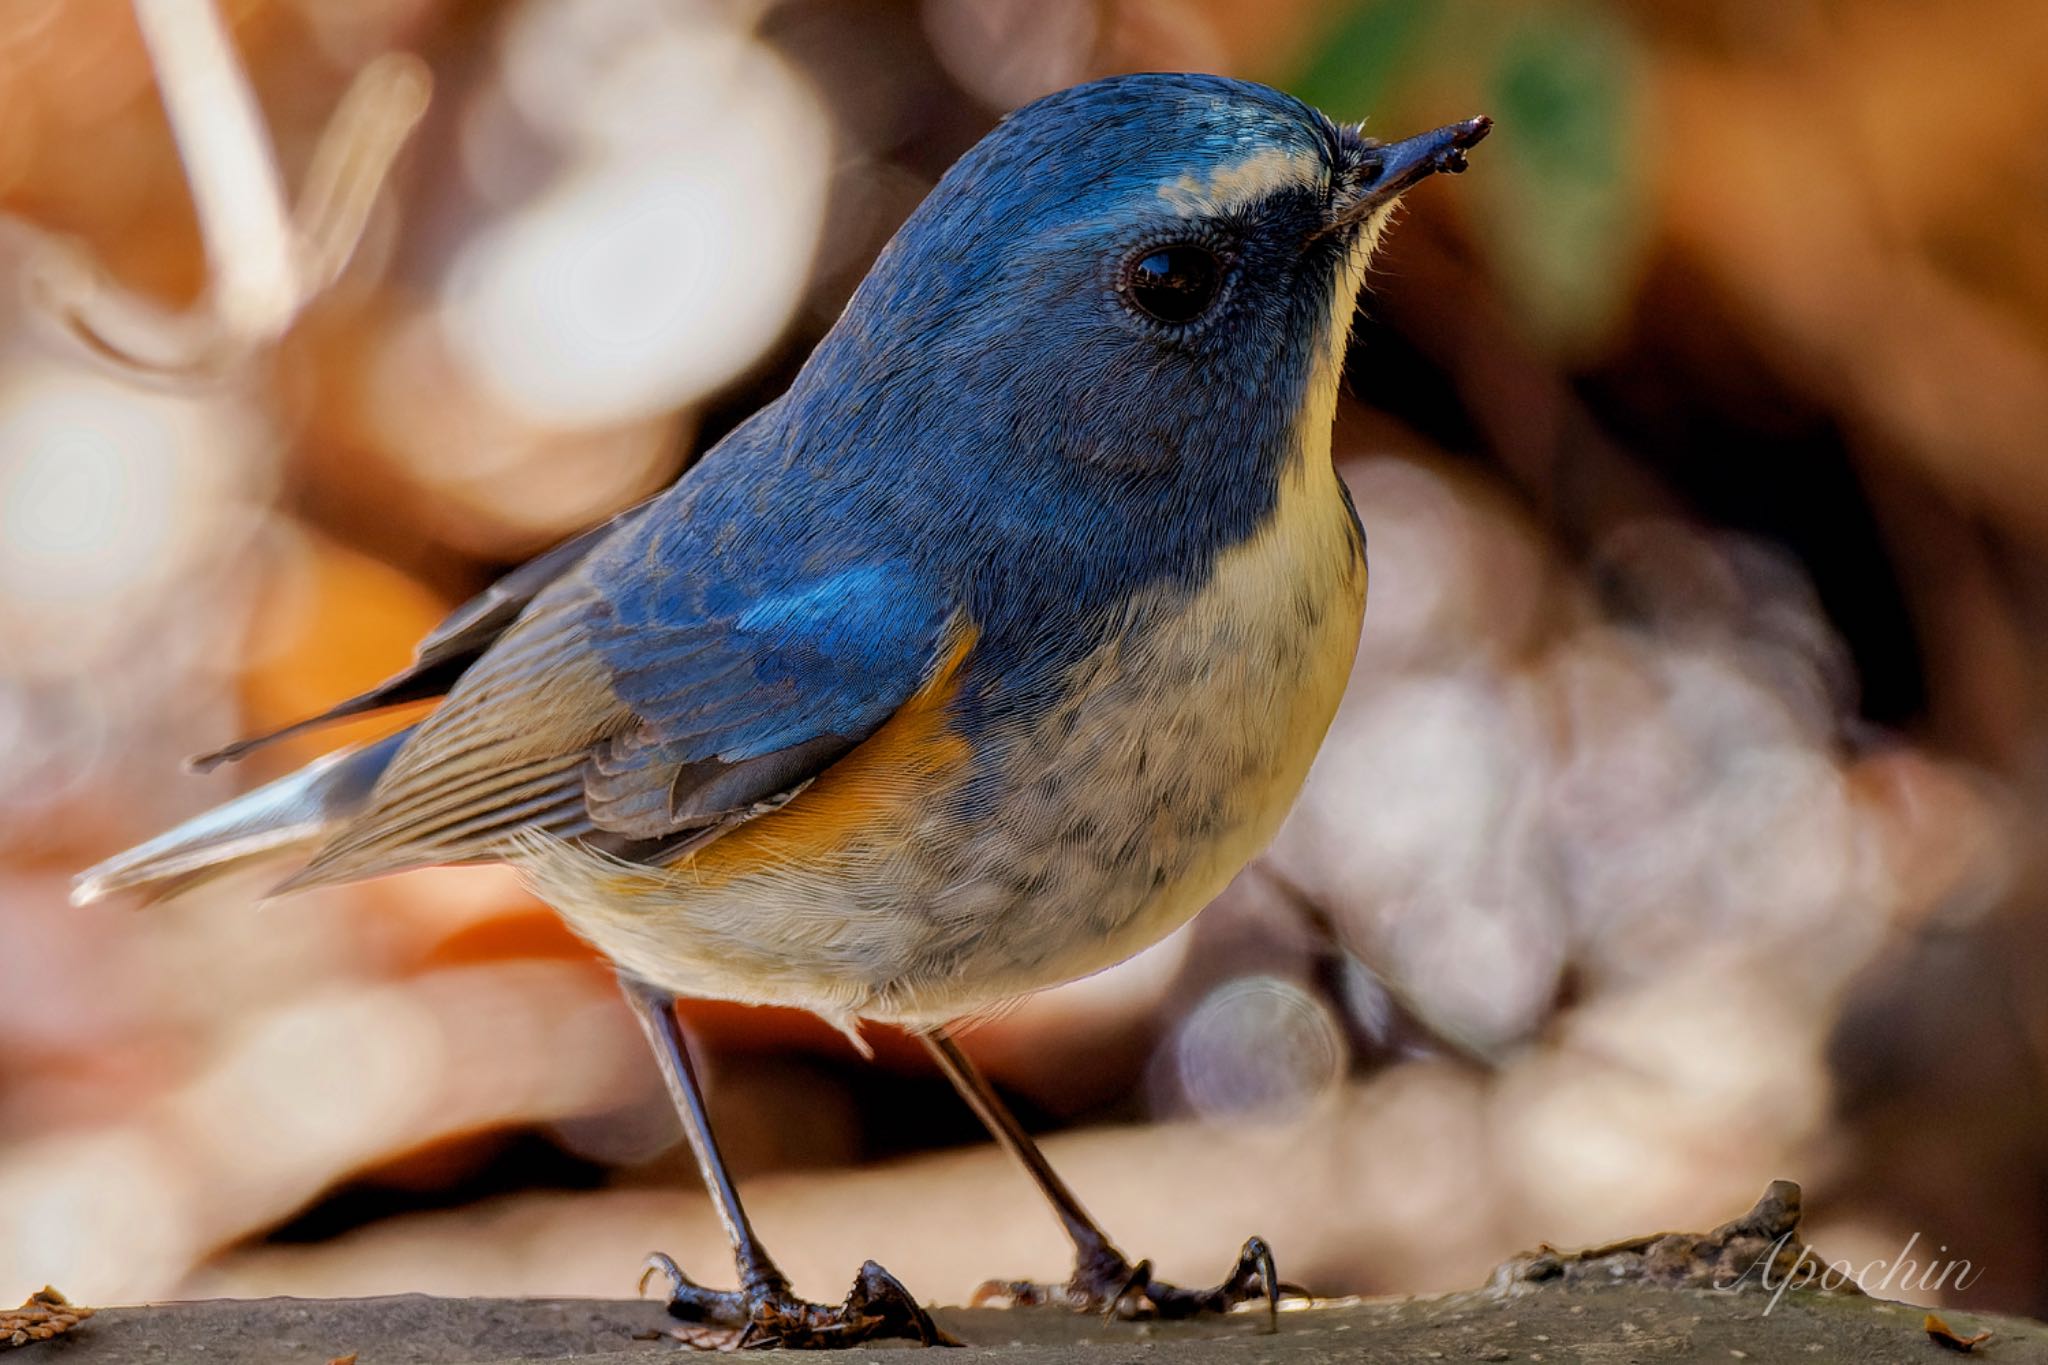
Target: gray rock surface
(1626,1323)
(1720,1296)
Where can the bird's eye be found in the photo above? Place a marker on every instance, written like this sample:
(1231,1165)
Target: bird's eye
(1174,284)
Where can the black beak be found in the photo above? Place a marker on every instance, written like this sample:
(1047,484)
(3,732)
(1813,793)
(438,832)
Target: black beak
(1389,170)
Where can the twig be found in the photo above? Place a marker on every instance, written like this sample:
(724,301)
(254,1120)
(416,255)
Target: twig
(228,162)
(265,261)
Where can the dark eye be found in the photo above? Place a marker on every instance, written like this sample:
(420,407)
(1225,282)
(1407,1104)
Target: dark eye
(1174,283)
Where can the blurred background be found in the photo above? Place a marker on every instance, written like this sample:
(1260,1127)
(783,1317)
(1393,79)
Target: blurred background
(1680,830)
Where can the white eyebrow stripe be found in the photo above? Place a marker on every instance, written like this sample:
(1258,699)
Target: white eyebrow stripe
(1245,181)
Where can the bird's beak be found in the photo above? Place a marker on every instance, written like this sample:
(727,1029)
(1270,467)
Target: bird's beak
(1393,168)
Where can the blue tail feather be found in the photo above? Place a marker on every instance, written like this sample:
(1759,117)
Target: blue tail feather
(294,812)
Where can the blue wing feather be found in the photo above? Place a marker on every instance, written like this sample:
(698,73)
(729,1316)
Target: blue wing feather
(738,708)
(672,682)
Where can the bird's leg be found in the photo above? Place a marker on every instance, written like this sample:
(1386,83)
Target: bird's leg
(762,1311)
(1104,1279)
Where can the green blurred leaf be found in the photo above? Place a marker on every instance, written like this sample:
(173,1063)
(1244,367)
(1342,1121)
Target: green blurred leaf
(1562,189)
(1357,60)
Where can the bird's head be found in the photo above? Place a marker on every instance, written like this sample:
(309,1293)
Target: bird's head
(1149,275)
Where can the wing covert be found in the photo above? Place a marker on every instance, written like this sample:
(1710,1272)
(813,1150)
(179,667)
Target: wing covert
(639,709)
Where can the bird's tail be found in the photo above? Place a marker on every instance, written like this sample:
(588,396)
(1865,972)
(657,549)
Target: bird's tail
(294,812)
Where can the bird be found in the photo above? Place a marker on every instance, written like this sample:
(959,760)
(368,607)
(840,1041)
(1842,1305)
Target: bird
(977,661)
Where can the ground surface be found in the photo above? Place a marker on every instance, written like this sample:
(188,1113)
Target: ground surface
(1664,1297)
(1560,1324)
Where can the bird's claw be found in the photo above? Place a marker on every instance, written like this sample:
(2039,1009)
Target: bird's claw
(1108,1284)
(768,1316)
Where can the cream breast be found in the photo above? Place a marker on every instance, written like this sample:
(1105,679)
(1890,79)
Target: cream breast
(1178,751)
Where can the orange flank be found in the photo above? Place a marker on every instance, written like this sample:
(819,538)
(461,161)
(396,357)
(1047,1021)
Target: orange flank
(874,795)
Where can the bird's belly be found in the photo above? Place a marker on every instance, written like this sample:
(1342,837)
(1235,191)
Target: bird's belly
(1079,837)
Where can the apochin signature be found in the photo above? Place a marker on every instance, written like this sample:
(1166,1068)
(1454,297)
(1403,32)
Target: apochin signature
(1878,1277)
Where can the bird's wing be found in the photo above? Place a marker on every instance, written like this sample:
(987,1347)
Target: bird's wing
(632,711)
(448,648)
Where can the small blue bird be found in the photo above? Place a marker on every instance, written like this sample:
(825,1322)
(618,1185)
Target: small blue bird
(976,662)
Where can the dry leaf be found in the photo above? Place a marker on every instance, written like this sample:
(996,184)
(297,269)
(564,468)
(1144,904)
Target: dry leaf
(45,1314)
(1941,1334)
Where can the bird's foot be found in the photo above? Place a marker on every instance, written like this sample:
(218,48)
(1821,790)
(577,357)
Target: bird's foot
(767,1315)
(1105,1282)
